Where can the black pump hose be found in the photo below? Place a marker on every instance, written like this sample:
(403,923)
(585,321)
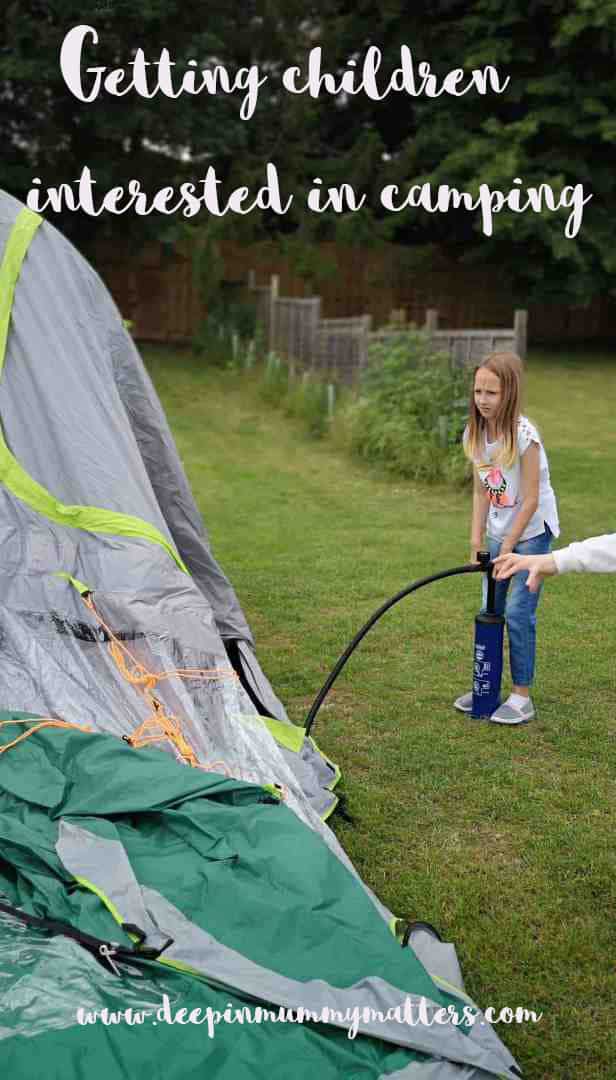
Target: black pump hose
(469,568)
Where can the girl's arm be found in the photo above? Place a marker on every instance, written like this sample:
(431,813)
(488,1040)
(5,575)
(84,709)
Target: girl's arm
(529,492)
(481,506)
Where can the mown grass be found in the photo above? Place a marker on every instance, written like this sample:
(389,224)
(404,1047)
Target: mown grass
(504,839)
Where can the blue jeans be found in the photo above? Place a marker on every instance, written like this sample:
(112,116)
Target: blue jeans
(519,608)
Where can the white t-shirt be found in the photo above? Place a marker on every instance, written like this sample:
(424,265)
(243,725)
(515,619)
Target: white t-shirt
(503,487)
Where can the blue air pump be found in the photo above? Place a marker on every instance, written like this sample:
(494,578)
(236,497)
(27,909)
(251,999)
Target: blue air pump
(488,650)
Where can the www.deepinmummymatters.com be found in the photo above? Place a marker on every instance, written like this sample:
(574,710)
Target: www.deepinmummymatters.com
(412,1013)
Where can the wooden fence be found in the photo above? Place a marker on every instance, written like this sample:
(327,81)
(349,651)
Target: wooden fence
(338,349)
(156,291)
(341,347)
(293,329)
(468,347)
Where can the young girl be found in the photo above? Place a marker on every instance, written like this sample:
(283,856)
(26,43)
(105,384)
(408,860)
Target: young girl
(514,502)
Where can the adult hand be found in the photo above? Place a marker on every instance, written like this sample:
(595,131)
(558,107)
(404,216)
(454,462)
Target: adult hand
(538,567)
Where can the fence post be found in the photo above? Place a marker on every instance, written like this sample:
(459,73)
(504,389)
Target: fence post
(273,299)
(365,341)
(252,279)
(520,330)
(331,399)
(309,317)
(431,320)
(460,354)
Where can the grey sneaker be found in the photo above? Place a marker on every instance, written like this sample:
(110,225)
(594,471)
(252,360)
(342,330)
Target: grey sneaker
(513,714)
(464,703)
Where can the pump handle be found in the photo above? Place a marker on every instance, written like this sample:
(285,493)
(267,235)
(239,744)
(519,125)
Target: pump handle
(485,563)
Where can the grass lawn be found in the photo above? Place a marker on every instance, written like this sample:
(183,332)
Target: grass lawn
(504,839)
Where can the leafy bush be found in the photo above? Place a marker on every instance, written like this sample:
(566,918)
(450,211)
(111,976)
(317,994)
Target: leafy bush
(213,342)
(409,415)
(223,335)
(411,411)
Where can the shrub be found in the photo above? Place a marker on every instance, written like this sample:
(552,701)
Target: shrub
(213,342)
(409,415)
(411,410)
(223,335)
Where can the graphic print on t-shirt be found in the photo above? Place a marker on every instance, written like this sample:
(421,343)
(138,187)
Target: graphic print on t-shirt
(495,484)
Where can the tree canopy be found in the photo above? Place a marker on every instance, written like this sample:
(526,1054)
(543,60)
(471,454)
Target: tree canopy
(555,124)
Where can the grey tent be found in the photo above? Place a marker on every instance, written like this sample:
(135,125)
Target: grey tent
(93,489)
(116,618)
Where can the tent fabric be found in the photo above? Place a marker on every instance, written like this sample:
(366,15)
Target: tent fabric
(72,374)
(254,902)
(80,419)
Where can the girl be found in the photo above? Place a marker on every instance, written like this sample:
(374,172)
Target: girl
(514,500)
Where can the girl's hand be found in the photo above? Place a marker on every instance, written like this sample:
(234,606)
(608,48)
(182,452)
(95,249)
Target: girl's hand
(473,560)
(538,567)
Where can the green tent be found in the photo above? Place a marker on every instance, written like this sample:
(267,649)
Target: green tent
(184,890)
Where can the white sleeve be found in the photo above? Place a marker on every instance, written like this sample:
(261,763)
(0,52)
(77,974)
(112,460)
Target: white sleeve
(527,434)
(596,555)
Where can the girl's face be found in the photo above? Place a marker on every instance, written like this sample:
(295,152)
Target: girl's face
(488,393)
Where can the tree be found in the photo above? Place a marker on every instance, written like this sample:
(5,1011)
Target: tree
(554,124)
(47,132)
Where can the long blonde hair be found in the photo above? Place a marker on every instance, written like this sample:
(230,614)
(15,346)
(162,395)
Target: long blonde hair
(507,366)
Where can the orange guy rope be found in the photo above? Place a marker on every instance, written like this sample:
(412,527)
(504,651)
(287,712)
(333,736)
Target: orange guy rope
(38,724)
(158,726)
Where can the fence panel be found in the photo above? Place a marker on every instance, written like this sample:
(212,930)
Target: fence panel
(155,289)
(468,347)
(341,347)
(295,326)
